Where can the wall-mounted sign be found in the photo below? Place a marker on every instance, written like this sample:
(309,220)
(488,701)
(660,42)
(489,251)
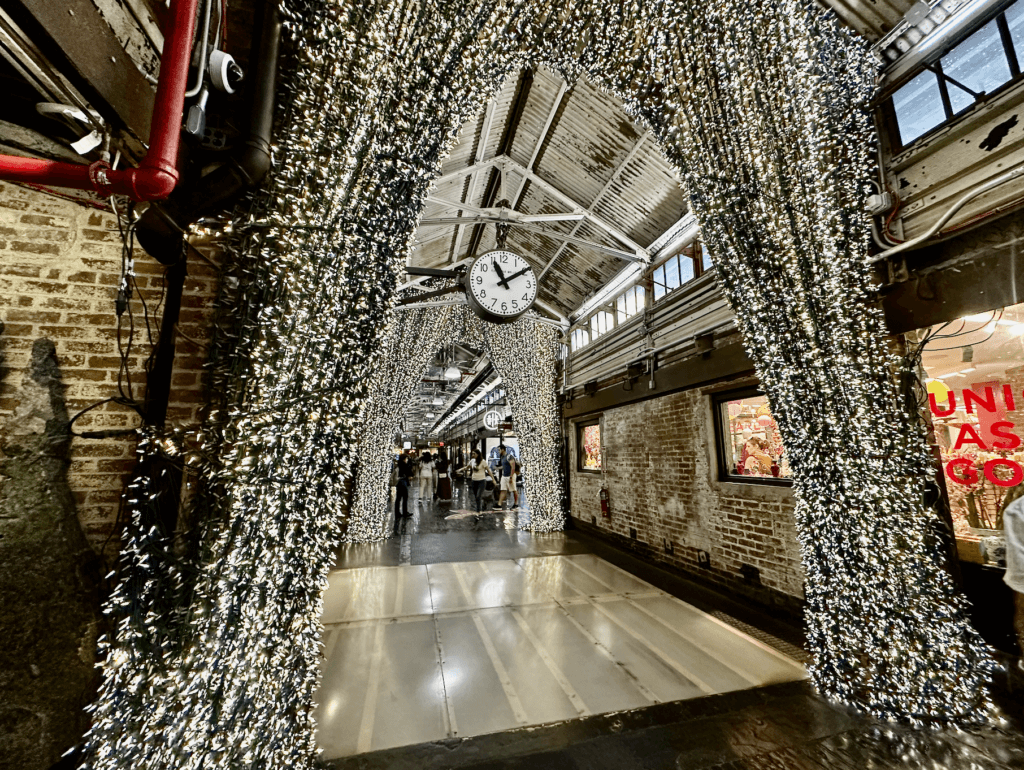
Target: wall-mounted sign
(493,420)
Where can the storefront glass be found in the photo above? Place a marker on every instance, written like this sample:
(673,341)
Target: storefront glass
(975,391)
(750,443)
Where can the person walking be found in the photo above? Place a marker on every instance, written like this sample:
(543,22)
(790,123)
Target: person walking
(403,474)
(479,470)
(426,475)
(507,466)
(443,491)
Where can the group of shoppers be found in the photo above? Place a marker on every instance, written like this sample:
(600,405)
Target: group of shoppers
(434,476)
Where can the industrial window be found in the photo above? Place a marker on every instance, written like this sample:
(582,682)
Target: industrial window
(983,63)
(588,446)
(580,338)
(678,270)
(629,303)
(749,443)
(601,322)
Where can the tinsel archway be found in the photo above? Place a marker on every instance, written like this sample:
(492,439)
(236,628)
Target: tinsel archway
(759,103)
(411,339)
(523,353)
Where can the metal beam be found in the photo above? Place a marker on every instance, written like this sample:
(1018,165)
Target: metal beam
(74,36)
(482,220)
(579,208)
(507,214)
(481,148)
(481,166)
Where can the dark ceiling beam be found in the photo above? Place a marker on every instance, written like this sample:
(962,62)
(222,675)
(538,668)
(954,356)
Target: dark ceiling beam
(467,392)
(515,115)
(74,36)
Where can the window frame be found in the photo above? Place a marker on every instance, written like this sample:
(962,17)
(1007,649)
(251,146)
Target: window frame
(887,106)
(698,269)
(718,401)
(579,445)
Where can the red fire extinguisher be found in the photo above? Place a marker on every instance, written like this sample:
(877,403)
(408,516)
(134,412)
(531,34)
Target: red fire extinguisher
(606,508)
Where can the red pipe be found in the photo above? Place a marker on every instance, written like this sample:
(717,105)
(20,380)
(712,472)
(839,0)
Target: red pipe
(157,175)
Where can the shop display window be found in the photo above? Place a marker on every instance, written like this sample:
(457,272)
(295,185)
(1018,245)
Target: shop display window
(749,444)
(975,400)
(588,443)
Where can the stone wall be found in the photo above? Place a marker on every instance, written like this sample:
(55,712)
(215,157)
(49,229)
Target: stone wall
(60,265)
(660,468)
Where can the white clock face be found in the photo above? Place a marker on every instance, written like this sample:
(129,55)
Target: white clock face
(503,284)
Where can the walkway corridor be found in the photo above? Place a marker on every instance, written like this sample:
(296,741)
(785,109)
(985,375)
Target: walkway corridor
(466,642)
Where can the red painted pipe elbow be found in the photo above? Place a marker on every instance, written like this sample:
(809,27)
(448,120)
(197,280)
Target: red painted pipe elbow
(142,184)
(157,176)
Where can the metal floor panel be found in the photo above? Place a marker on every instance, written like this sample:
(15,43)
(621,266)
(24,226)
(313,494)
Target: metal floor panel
(419,653)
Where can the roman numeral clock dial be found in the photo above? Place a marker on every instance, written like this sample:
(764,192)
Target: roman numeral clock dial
(500,286)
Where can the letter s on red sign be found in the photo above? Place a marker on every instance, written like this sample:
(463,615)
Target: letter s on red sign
(966,467)
(1001,429)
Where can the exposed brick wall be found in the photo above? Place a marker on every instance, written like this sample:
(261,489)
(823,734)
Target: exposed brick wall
(60,265)
(660,469)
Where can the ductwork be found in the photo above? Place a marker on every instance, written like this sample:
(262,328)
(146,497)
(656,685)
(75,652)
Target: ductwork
(157,175)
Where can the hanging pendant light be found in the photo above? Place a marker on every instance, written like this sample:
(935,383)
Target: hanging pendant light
(452,373)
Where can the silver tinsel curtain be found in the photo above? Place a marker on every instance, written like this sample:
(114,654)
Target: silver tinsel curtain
(524,354)
(411,341)
(758,103)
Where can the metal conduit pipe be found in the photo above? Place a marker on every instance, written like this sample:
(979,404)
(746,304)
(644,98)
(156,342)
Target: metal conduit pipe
(162,227)
(971,195)
(157,174)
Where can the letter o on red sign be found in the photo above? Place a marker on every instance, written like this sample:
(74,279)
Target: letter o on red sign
(1016,474)
(966,467)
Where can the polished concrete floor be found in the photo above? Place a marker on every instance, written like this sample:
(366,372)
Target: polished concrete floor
(465,643)
(421,652)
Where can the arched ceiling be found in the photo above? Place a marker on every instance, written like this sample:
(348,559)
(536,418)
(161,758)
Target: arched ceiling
(562,149)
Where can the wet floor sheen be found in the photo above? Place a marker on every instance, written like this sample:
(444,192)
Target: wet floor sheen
(417,653)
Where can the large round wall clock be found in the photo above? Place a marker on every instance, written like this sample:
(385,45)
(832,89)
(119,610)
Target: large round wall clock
(500,286)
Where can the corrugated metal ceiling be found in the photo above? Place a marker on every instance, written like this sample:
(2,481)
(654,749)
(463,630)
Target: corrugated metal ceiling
(584,146)
(872,18)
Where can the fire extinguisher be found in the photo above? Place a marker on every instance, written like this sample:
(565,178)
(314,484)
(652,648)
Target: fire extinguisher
(606,508)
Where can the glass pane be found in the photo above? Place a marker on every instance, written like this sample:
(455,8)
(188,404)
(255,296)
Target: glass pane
(630,303)
(595,331)
(672,273)
(590,448)
(979,63)
(1015,20)
(918,107)
(659,283)
(685,269)
(705,257)
(640,294)
(977,415)
(622,306)
(753,444)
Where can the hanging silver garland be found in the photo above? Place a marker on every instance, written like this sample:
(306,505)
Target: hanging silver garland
(760,104)
(524,354)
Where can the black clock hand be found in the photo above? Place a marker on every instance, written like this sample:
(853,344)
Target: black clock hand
(516,275)
(501,275)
